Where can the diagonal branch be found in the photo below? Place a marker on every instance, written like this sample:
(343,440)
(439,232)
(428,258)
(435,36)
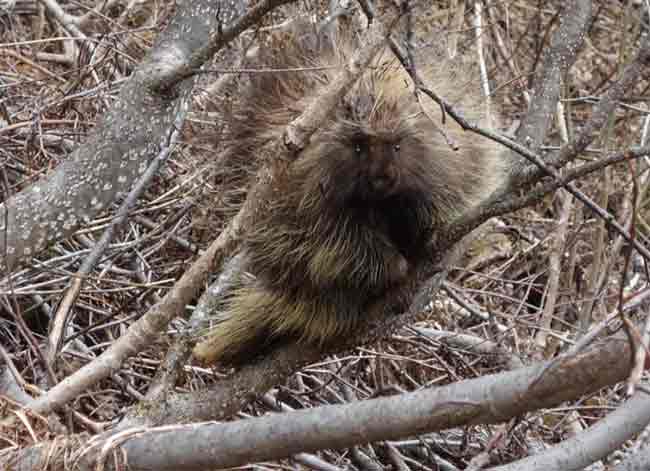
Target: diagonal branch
(123,144)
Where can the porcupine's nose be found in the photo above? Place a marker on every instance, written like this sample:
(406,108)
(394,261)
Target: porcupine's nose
(382,175)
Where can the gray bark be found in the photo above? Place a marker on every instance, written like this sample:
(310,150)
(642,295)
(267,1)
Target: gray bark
(488,399)
(127,138)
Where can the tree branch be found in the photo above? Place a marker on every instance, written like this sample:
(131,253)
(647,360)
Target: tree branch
(599,117)
(595,443)
(575,19)
(487,399)
(123,144)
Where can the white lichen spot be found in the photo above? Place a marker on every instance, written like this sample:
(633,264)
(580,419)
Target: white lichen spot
(122,179)
(94,201)
(107,186)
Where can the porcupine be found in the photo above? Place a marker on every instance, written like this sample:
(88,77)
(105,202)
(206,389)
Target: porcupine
(347,222)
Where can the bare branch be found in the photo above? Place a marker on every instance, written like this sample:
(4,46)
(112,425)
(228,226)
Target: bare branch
(593,444)
(575,18)
(599,117)
(60,318)
(488,399)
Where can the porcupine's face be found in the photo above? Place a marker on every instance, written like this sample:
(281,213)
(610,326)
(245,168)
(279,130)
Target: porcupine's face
(362,167)
(374,171)
(373,151)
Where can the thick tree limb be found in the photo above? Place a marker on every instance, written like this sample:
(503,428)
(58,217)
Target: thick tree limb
(122,145)
(488,399)
(600,115)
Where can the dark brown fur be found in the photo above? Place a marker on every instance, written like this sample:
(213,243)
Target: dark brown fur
(348,220)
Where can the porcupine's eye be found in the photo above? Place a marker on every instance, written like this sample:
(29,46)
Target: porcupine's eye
(360,147)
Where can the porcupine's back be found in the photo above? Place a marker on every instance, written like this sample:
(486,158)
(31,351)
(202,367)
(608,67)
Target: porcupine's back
(271,100)
(336,236)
